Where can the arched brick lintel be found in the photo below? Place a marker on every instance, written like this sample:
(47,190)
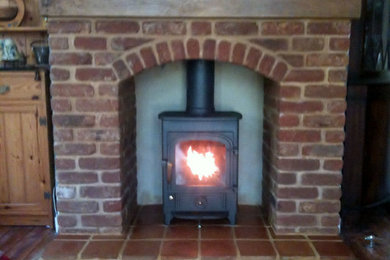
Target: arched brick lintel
(156,53)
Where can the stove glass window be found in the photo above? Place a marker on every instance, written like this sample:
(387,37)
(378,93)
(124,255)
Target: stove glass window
(200,163)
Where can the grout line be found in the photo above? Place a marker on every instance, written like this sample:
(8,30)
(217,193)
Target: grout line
(84,247)
(317,255)
(271,240)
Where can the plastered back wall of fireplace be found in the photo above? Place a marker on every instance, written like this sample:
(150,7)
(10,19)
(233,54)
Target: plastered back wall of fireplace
(164,89)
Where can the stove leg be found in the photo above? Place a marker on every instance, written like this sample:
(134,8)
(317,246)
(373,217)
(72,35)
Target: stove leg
(167,218)
(232,218)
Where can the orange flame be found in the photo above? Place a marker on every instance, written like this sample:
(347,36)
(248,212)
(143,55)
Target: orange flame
(201,165)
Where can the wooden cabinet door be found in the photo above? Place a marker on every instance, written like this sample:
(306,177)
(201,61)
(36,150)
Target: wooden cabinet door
(25,197)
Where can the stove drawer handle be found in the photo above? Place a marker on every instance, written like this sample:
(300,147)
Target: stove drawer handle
(168,166)
(4,89)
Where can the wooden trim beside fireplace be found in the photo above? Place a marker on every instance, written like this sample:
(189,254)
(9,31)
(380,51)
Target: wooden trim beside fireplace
(203,8)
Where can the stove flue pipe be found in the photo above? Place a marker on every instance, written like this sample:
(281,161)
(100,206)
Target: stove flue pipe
(200,87)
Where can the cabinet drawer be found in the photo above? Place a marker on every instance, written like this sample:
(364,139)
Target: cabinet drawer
(19,86)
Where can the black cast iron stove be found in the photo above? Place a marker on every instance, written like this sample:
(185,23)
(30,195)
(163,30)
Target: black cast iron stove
(200,153)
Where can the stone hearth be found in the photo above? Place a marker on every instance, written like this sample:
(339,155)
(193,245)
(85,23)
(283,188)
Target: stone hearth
(93,62)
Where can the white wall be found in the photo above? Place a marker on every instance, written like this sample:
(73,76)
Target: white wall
(163,89)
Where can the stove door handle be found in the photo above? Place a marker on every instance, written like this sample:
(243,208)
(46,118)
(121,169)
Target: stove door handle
(168,166)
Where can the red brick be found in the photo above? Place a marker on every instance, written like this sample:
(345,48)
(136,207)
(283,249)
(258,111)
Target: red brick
(337,75)
(121,70)
(236,28)
(101,220)
(77,177)
(71,26)
(297,193)
(286,206)
(163,52)
(323,121)
(287,149)
(65,192)
(148,57)
(319,207)
(332,60)
(164,28)
(73,120)
(67,221)
(99,163)
(112,206)
(334,136)
(127,43)
(90,43)
(330,221)
(295,220)
(96,105)
(321,179)
(95,74)
(178,51)
(339,27)
(201,28)
(64,164)
(286,178)
(100,192)
(282,28)
(333,165)
(331,193)
(253,58)
(279,71)
(305,76)
(101,135)
(238,53)
(336,107)
(297,164)
(58,43)
(109,149)
(294,60)
(61,105)
(117,26)
(325,91)
(134,63)
(109,121)
(108,90)
(266,64)
(300,106)
(290,92)
(71,58)
(308,44)
(299,136)
(323,150)
(193,49)
(74,149)
(209,46)
(105,58)
(63,134)
(111,177)
(59,74)
(78,206)
(272,44)
(288,120)
(223,51)
(72,90)
(339,44)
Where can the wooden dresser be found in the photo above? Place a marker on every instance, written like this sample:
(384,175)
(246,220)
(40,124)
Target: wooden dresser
(25,176)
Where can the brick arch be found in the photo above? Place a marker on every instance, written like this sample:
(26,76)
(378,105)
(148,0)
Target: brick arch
(148,55)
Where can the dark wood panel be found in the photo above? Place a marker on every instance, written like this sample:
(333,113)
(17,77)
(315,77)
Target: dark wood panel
(205,8)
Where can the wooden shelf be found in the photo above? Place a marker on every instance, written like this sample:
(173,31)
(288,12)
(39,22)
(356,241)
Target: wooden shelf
(23,29)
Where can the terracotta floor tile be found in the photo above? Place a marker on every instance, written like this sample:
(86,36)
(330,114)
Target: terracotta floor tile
(217,248)
(59,249)
(221,221)
(294,248)
(179,249)
(182,232)
(184,222)
(72,237)
(147,232)
(249,210)
(327,238)
(104,249)
(337,250)
(135,250)
(250,220)
(284,237)
(109,237)
(251,232)
(150,219)
(216,232)
(256,248)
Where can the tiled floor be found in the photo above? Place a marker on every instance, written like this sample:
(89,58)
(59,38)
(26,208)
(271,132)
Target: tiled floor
(216,239)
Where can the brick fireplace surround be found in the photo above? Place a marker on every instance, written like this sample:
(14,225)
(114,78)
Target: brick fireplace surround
(93,64)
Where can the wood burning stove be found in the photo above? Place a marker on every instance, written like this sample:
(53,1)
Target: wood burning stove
(200,153)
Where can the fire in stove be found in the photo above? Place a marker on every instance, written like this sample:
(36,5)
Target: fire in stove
(202,165)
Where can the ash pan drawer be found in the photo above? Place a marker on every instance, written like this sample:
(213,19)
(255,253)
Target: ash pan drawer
(196,202)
